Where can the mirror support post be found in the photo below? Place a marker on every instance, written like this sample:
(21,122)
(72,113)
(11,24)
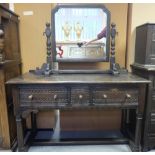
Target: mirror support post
(113,66)
(46,68)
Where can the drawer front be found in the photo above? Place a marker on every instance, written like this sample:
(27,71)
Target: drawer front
(43,95)
(115,95)
(80,96)
(77,96)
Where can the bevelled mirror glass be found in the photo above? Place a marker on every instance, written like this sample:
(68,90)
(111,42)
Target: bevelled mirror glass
(81,33)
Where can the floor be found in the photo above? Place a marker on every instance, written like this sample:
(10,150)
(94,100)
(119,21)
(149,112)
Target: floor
(81,148)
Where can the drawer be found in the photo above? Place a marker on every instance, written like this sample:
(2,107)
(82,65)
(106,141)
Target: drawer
(43,96)
(115,95)
(80,96)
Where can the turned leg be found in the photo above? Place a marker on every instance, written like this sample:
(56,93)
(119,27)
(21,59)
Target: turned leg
(138,131)
(123,122)
(33,122)
(20,138)
(56,134)
(128,116)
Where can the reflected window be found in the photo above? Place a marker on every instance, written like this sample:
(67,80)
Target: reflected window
(80,33)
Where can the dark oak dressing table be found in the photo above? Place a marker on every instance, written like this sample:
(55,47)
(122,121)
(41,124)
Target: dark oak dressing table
(33,93)
(49,88)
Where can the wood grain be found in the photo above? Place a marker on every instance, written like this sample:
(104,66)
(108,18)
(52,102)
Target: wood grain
(3,113)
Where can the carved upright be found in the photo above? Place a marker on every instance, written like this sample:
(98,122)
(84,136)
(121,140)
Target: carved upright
(113,67)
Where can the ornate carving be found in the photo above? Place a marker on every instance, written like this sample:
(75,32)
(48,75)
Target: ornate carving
(46,68)
(115,96)
(57,96)
(80,95)
(113,65)
(53,95)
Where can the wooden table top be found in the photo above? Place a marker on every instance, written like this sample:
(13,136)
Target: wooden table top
(30,78)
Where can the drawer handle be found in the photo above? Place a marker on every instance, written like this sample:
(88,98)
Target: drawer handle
(30,97)
(128,96)
(55,97)
(104,96)
(80,97)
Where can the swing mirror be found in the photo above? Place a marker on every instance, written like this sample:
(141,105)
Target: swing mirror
(80,33)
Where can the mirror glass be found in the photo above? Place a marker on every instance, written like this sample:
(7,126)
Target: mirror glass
(81,34)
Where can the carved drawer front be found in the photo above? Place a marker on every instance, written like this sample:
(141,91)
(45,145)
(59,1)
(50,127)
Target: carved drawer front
(103,95)
(152,124)
(79,96)
(43,95)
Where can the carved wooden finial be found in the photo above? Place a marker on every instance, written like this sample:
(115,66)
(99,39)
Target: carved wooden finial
(48,35)
(113,34)
(113,67)
(49,47)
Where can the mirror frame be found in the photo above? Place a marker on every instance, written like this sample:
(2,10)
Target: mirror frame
(80,5)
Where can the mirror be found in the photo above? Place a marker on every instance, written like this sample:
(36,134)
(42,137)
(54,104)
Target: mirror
(81,32)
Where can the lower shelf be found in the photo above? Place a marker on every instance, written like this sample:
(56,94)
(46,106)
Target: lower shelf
(47,137)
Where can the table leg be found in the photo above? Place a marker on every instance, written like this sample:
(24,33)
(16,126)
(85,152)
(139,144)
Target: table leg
(123,122)
(33,122)
(20,138)
(138,132)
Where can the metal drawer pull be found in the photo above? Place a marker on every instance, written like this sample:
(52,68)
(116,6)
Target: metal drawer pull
(55,97)
(80,97)
(30,97)
(128,96)
(104,96)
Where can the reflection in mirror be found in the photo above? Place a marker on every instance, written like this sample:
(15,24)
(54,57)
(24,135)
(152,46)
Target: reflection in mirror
(81,33)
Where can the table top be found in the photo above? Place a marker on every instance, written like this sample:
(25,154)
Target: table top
(144,67)
(30,78)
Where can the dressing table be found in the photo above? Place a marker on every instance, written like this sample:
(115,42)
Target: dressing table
(51,88)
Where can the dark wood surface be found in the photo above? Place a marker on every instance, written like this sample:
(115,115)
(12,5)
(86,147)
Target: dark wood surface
(148,125)
(9,67)
(144,66)
(30,78)
(145,45)
(33,94)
